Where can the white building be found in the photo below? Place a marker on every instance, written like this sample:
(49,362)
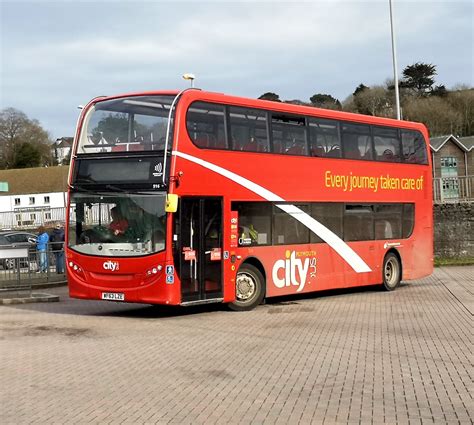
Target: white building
(62,148)
(36,196)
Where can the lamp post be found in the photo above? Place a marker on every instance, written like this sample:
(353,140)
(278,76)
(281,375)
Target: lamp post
(394,59)
(190,77)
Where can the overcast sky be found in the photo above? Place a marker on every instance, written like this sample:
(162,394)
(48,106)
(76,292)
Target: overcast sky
(56,55)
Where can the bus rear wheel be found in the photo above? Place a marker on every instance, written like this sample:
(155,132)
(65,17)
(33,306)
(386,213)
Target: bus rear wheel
(392,272)
(249,288)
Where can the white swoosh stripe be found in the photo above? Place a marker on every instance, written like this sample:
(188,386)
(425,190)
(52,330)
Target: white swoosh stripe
(334,241)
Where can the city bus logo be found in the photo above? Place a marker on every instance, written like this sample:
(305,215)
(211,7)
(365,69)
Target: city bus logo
(110,265)
(294,271)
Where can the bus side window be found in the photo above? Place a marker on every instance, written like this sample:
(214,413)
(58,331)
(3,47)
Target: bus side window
(324,138)
(248,129)
(386,144)
(358,223)
(356,141)
(205,125)
(255,222)
(414,147)
(388,221)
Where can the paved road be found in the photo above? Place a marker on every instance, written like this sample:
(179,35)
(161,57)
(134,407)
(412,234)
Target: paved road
(362,356)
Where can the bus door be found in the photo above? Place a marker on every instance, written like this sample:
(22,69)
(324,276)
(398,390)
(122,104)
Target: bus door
(200,249)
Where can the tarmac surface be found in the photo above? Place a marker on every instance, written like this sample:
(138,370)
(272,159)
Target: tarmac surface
(352,356)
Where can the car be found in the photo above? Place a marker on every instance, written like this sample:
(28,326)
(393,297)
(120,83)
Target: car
(12,239)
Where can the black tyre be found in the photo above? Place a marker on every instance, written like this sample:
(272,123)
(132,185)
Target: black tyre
(249,288)
(391,272)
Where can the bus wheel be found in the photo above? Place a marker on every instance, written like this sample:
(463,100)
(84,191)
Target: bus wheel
(248,288)
(392,272)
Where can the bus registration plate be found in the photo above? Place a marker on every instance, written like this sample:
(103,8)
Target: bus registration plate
(113,296)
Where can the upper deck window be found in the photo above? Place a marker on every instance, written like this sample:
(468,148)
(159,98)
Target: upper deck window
(357,141)
(205,124)
(127,124)
(289,134)
(248,129)
(324,138)
(386,144)
(414,147)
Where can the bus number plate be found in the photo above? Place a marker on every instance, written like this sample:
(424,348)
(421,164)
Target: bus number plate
(113,296)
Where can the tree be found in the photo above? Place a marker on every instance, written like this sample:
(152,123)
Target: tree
(15,130)
(270,96)
(325,101)
(419,77)
(359,89)
(462,100)
(436,113)
(28,155)
(376,101)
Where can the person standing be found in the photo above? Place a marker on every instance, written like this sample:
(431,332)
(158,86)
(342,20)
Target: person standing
(57,246)
(41,247)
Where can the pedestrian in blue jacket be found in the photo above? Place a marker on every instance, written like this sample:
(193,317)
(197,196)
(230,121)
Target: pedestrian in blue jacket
(42,247)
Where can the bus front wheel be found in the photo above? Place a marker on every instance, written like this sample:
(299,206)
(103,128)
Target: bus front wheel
(392,272)
(249,288)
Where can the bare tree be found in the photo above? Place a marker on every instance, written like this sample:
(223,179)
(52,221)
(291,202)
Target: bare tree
(436,113)
(17,129)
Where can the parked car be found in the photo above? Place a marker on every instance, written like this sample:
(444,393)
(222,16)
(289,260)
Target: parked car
(17,239)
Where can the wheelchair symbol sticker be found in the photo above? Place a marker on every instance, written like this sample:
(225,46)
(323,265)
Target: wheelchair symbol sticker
(169,279)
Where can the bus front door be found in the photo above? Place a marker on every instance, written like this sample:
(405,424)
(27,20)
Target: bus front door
(200,248)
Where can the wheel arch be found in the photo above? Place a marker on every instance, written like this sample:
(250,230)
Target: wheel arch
(254,261)
(397,254)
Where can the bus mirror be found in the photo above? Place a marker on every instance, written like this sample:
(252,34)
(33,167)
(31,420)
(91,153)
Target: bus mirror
(171,203)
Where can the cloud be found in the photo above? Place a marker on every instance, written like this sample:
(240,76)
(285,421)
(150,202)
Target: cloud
(55,55)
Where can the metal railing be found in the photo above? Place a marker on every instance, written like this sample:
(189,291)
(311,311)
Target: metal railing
(24,219)
(453,189)
(37,269)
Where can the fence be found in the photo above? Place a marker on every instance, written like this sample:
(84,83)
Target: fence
(31,271)
(31,219)
(453,189)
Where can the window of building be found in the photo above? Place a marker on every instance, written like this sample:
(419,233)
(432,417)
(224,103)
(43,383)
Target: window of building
(47,216)
(358,223)
(356,141)
(289,134)
(17,201)
(255,222)
(248,129)
(414,147)
(32,216)
(46,199)
(324,138)
(32,200)
(206,125)
(286,227)
(386,144)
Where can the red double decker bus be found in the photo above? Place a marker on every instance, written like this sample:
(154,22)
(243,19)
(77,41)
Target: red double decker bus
(198,197)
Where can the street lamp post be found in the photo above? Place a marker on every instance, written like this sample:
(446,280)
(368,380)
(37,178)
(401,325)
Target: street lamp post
(394,58)
(190,77)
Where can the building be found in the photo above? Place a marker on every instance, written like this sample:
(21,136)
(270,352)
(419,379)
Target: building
(453,168)
(62,148)
(36,196)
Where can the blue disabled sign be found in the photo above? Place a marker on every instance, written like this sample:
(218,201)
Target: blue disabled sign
(169,278)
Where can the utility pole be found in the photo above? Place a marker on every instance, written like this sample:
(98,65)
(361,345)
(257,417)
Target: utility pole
(394,59)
